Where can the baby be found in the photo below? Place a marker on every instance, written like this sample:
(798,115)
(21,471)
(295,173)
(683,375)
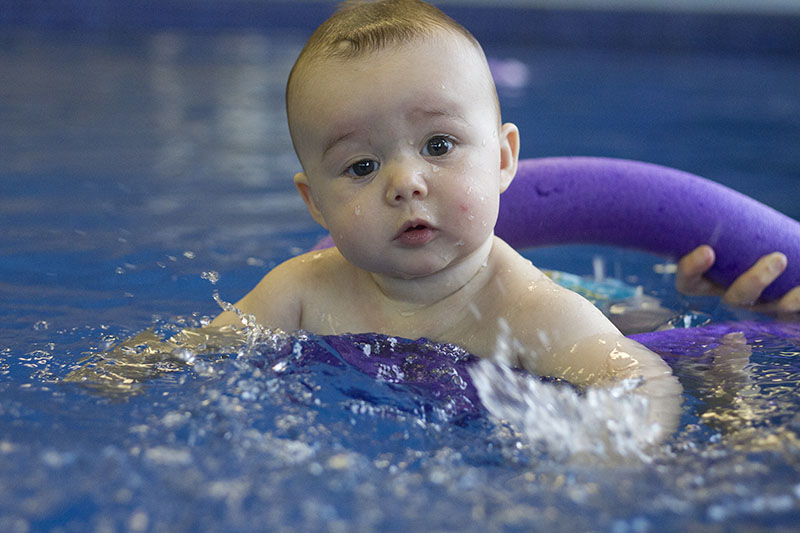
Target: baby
(395,120)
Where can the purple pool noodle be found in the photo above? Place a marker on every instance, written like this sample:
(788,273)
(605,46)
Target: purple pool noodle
(567,200)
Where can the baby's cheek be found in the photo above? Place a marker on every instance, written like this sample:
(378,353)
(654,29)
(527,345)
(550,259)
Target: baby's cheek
(467,210)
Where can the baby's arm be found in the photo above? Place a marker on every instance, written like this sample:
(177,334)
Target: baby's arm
(745,290)
(276,302)
(576,342)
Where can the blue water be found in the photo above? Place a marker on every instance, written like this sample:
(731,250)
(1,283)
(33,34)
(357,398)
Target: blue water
(135,170)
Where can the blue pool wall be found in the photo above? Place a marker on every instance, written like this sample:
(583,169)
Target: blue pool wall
(631,24)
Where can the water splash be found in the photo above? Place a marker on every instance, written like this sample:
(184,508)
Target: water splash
(559,420)
(251,328)
(609,424)
(212,276)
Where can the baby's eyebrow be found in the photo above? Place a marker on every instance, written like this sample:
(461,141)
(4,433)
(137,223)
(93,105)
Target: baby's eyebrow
(441,113)
(338,138)
(418,115)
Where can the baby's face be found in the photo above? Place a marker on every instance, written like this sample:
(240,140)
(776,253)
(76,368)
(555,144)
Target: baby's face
(403,156)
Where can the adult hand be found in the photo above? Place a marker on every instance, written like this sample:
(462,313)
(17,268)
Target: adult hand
(745,290)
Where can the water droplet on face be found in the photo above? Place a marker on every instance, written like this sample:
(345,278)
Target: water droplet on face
(483,142)
(435,168)
(358,211)
(470,217)
(469,190)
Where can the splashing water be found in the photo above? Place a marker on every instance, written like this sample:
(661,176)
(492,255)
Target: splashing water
(252,329)
(212,276)
(248,415)
(300,431)
(559,421)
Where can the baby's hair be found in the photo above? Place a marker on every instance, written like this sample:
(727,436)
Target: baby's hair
(361,27)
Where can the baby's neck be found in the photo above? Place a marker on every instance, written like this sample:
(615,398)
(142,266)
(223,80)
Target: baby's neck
(427,291)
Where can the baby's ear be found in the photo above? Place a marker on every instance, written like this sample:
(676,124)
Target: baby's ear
(509,154)
(301,182)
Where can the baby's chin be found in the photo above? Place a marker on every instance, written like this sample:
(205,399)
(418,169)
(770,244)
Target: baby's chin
(443,270)
(418,272)
(415,270)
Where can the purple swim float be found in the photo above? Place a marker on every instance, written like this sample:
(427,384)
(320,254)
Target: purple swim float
(571,200)
(592,200)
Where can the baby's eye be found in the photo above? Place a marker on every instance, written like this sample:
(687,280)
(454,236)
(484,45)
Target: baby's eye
(362,168)
(437,146)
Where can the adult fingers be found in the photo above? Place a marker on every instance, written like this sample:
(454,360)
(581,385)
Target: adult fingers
(691,267)
(789,302)
(747,288)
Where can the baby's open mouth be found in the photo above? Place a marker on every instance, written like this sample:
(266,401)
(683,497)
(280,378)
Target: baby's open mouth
(416,233)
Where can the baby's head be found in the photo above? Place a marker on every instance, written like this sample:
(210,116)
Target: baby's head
(363,27)
(394,117)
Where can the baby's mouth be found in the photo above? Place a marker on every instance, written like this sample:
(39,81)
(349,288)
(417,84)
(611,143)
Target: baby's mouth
(415,233)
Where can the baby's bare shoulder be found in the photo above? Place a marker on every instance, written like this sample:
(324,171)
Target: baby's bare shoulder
(278,300)
(304,273)
(543,312)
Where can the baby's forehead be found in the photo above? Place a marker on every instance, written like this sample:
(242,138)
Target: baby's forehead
(311,73)
(341,54)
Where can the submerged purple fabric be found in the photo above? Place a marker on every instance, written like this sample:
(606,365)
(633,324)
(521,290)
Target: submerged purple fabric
(564,200)
(695,342)
(383,370)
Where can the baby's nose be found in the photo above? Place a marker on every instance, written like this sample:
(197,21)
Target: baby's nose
(406,182)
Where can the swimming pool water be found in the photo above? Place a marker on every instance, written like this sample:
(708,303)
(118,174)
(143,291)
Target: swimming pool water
(133,168)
